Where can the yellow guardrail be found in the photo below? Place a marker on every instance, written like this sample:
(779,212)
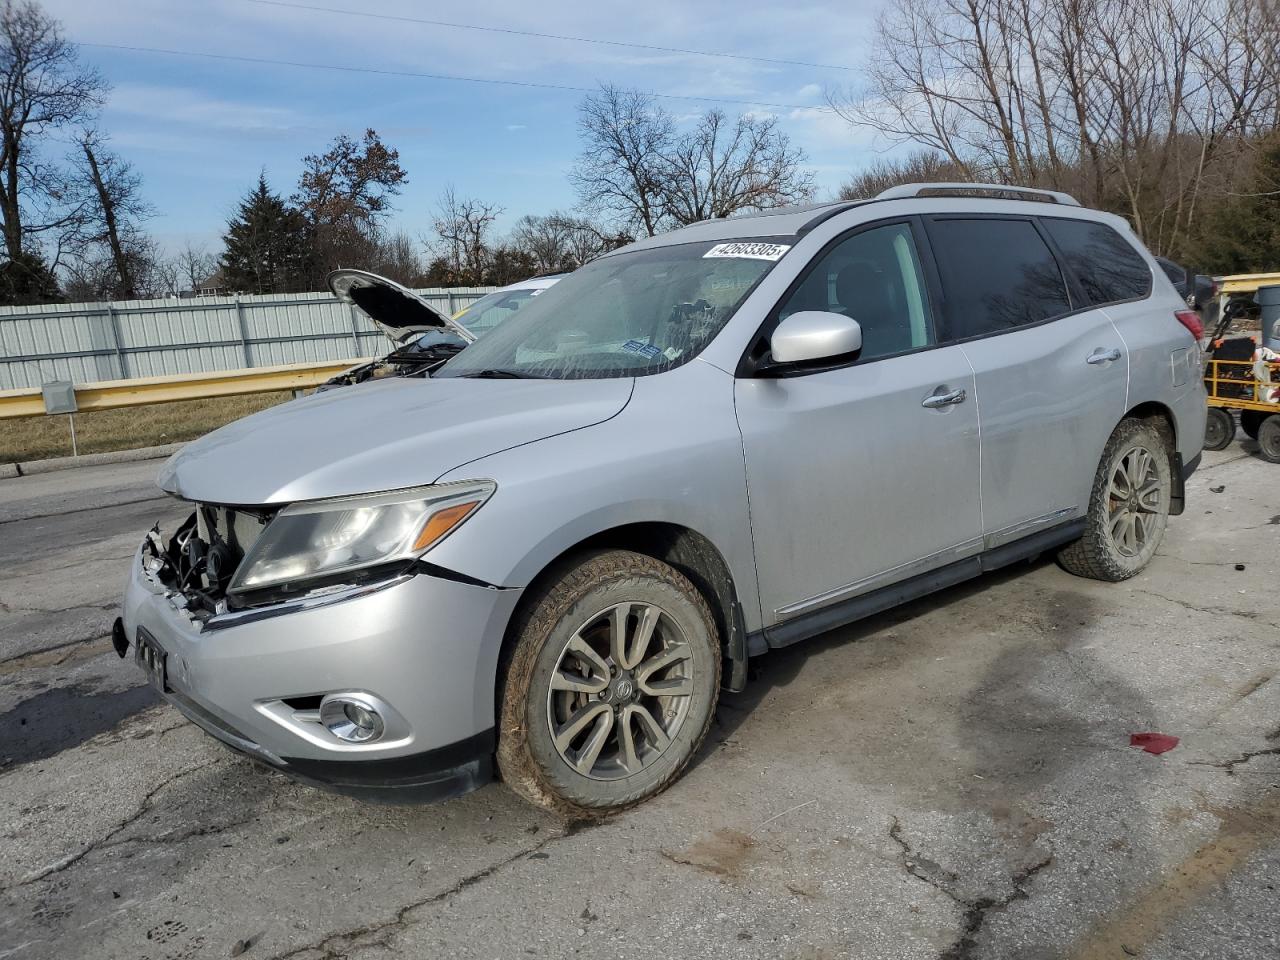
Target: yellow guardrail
(108,394)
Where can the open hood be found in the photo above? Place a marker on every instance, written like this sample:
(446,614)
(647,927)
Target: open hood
(398,311)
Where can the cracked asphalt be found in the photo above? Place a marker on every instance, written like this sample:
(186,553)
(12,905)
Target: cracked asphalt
(949,781)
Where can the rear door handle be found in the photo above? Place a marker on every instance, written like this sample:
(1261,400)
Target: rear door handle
(1102,356)
(935,400)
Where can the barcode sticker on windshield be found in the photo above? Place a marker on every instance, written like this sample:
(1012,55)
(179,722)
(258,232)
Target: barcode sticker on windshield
(749,251)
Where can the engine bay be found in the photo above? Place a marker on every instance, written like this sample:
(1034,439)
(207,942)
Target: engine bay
(416,359)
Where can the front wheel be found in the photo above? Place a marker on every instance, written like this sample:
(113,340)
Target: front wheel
(1128,506)
(610,687)
(1219,429)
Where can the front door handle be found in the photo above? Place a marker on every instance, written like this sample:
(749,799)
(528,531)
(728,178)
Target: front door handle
(935,400)
(1102,356)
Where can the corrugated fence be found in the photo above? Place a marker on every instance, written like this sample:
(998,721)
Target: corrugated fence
(85,342)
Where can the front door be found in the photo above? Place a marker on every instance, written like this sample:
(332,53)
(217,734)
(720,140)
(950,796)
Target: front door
(865,474)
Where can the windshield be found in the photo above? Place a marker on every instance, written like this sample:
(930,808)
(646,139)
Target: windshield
(627,315)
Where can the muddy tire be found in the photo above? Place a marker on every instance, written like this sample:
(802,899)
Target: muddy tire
(1219,429)
(1128,506)
(610,686)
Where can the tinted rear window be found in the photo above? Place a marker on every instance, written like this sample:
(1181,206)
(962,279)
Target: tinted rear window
(1105,263)
(998,275)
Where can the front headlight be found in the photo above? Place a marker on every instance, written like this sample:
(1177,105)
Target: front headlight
(325,539)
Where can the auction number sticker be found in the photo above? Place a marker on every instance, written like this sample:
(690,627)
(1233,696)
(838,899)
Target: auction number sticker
(749,251)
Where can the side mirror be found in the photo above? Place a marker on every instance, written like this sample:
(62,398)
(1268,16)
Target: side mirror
(815,335)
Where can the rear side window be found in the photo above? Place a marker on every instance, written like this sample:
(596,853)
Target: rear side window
(1107,266)
(998,275)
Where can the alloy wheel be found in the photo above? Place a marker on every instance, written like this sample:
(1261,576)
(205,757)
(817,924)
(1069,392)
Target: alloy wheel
(620,691)
(1133,501)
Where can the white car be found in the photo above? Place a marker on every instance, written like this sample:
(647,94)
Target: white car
(424,337)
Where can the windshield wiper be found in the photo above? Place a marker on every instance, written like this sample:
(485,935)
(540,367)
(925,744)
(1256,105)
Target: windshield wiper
(495,373)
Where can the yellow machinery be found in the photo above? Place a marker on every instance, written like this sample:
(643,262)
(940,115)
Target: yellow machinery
(1251,387)
(1235,376)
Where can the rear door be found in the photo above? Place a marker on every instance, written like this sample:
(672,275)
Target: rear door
(1050,370)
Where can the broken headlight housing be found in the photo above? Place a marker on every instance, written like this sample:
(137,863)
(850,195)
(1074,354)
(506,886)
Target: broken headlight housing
(328,542)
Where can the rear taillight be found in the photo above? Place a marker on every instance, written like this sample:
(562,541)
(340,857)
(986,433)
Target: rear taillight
(1191,320)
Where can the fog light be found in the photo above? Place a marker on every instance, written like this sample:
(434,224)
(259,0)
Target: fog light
(351,719)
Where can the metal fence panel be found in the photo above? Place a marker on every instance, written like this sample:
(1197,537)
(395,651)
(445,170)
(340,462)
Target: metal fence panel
(84,342)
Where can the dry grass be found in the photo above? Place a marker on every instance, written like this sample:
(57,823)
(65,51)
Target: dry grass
(35,438)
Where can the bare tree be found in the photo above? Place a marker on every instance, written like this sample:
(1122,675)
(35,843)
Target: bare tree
(625,137)
(114,213)
(639,171)
(922,166)
(723,167)
(561,241)
(587,240)
(462,226)
(1136,105)
(195,264)
(94,273)
(398,258)
(43,88)
(545,239)
(168,277)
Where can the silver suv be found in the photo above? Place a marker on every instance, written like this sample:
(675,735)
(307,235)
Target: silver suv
(550,554)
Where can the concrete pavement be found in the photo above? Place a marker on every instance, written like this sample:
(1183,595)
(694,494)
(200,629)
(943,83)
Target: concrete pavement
(950,780)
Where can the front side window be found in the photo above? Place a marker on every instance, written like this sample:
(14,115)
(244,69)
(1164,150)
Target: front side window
(875,277)
(626,315)
(1107,266)
(998,275)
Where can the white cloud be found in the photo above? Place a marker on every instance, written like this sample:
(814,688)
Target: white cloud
(182,106)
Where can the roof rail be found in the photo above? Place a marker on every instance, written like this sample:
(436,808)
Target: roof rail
(963,189)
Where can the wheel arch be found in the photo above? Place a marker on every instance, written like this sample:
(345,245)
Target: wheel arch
(685,549)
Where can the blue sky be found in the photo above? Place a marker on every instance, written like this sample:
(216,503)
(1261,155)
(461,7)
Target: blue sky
(199,130)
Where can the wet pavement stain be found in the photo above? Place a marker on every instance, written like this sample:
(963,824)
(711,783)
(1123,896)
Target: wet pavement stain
(64,717)
(723,853)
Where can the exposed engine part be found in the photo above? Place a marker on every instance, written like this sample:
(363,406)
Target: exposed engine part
(201,557)
(416,359)
(219,565)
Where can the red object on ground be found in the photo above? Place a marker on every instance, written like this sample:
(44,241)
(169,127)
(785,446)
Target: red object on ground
(1156,743)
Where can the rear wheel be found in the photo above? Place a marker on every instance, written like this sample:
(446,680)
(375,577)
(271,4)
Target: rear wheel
(1251,421)
(611,685)
(1128,507)
(1269,439)
(1219,429)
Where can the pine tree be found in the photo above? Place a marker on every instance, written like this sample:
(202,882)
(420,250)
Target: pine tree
(1241,234)
(268,248)
(26,280)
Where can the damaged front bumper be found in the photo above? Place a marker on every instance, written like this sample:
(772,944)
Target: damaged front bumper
(423,647)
